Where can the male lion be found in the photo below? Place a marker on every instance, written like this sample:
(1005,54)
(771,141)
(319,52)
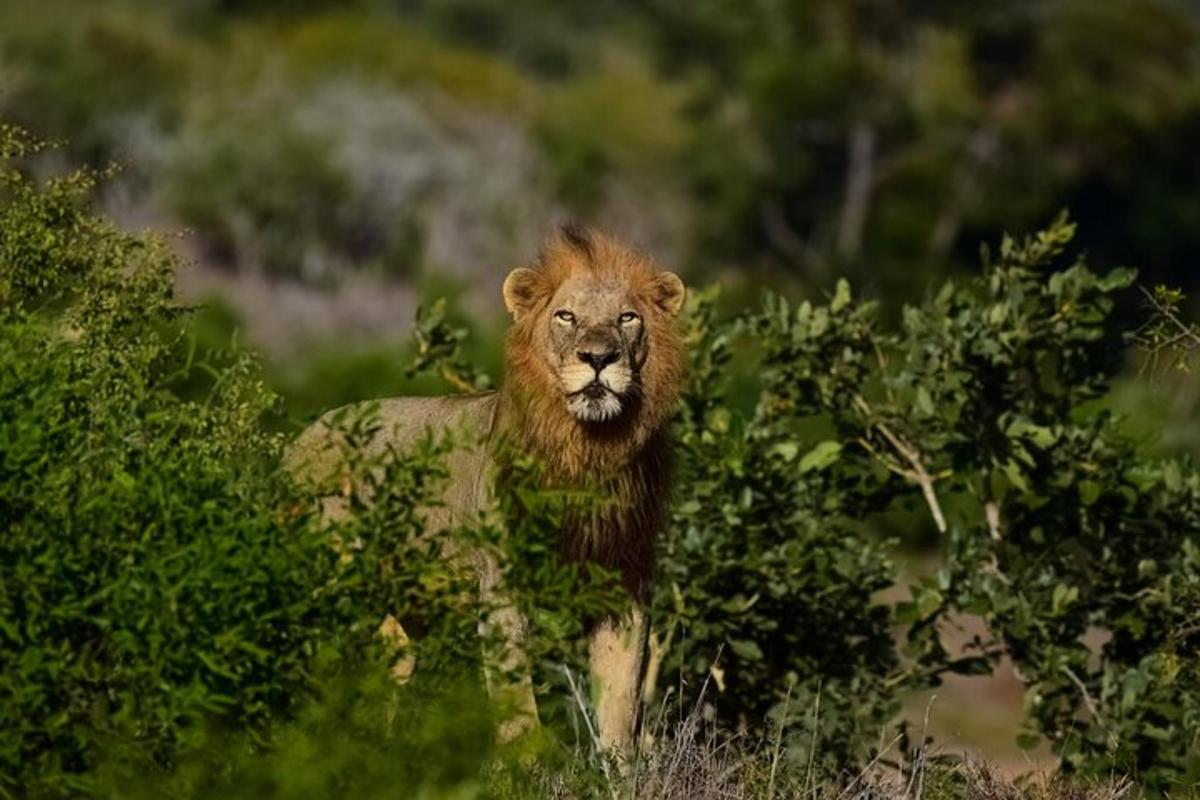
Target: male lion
(594,366)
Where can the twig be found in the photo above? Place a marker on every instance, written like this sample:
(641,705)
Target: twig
(1165,332)
(1087,697)
(583,709)
(810,779)
(1185,331)
(688,723)
(916,472)
(908,675)
(456,380)
(886,460)
(779,742)
(878,757)
(920,475)
(917,777)
(882,361)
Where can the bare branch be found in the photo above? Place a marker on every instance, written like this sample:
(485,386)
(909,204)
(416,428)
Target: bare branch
(1166,309)
(1087,697)
(917,473)
(1165,331)
(860,179)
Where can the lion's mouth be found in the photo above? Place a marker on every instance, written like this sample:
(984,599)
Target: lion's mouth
(595,390)
(594,403)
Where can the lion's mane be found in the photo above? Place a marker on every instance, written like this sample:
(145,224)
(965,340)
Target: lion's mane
(625,460)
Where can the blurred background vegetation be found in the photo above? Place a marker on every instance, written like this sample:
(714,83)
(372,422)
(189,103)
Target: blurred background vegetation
(332,165)
(335,160)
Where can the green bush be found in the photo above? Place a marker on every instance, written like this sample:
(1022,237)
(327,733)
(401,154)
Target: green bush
(767,580)
(156,571)
(987,407)
(146,581)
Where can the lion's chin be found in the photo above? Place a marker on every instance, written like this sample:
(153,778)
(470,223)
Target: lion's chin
(594,406)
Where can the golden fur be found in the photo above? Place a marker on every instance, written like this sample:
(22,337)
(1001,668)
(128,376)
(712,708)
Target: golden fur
(626,460)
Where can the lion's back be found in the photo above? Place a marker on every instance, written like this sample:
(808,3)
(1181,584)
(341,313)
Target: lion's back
(317,458)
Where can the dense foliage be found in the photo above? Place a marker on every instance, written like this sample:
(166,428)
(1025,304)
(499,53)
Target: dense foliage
(1079,553)
(767,581)
(166,599)
(147,579)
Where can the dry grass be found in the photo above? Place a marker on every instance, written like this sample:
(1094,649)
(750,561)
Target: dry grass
(709,767)
(686,758)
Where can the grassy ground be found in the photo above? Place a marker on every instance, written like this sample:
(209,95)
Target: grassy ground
(691,762)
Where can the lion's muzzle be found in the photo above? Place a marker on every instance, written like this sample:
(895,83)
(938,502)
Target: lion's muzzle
(596,385)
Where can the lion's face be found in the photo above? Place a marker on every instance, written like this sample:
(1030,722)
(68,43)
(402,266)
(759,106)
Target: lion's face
(595,344)
(592,324)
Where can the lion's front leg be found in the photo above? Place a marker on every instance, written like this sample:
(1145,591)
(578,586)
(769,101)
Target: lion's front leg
(506,666)
(617,655)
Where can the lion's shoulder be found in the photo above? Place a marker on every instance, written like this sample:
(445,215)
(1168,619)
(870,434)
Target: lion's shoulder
(318,455)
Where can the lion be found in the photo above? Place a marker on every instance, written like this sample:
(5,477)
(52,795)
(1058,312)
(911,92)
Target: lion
(594,366)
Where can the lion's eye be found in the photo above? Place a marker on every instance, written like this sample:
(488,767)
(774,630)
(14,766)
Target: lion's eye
(564,316)
(627,317)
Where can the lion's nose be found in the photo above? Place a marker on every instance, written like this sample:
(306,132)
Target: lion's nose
(598,358)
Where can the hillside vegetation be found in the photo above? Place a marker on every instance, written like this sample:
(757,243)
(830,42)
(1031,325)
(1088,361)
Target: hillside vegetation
(795,141)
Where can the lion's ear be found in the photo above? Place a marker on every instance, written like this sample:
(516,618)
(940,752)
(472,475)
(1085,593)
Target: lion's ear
(669,292)
(520,291)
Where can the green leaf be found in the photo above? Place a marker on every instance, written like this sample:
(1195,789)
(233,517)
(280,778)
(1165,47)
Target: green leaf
(924,403)
(747,649)
(928,601)
(1119,278)
(971,665)
(841,296)
(719,420)
(1028,741)
(1017,478)
(907,612)
(1040,435)
(786,450)
(1062,598)
(820,457)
